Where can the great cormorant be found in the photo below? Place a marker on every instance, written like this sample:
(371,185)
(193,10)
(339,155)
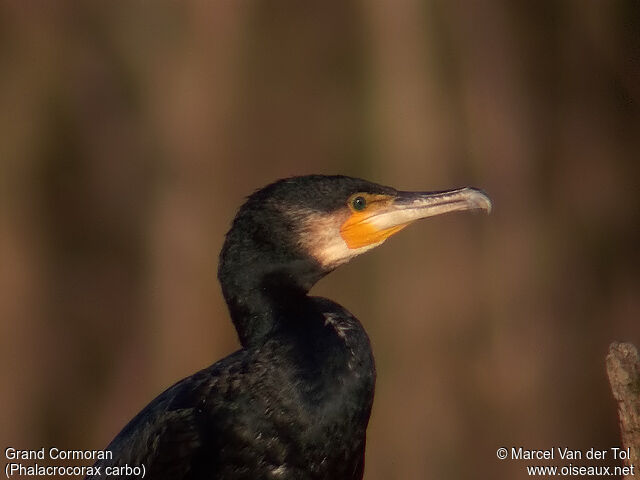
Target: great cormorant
(294,401)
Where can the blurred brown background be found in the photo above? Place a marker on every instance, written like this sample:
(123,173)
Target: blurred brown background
(131,131)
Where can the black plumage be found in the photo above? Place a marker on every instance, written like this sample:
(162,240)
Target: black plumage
(295,400)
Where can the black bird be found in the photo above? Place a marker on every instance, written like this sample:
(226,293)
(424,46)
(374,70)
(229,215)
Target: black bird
(294,401)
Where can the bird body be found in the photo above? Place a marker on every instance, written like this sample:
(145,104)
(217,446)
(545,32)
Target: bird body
(294,402)
(270,411)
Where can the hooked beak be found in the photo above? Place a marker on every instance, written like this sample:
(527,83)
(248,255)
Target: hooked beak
(411,206)
(389,216)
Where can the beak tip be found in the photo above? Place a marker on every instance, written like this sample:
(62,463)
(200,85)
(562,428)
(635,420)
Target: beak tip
(480,200)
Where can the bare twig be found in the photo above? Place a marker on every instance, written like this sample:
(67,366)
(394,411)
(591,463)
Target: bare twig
(623,368)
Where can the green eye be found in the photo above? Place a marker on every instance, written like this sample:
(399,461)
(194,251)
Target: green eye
(359,203)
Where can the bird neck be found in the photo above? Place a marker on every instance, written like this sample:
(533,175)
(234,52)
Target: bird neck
(263,298)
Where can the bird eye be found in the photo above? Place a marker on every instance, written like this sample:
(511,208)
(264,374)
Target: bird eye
(359,203)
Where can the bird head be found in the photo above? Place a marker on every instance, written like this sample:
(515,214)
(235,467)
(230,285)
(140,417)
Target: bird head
(304,227)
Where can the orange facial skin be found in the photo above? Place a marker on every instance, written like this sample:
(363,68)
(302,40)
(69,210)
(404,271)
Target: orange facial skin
(357,232)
